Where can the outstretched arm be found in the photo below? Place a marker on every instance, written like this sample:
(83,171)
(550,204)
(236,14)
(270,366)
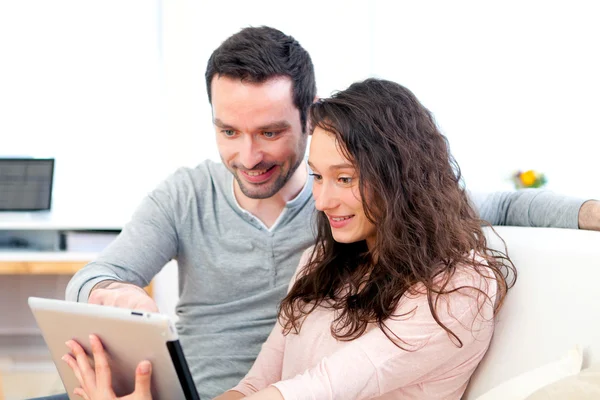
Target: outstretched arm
(538,208)
(144,246)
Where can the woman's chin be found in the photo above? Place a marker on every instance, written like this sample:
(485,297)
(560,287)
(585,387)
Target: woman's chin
(347,239)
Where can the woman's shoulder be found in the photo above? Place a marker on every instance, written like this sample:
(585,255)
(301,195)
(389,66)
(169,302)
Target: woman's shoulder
(474,272)
(469,285)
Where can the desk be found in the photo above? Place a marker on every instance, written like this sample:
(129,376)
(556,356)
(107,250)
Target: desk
(46,263)
(44,230)
(43,263)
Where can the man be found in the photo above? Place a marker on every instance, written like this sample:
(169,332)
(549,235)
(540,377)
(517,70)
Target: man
(237,229)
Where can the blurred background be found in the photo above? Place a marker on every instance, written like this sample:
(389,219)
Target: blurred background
(115,91)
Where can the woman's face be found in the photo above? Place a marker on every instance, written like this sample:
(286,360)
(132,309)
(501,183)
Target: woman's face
(336,190)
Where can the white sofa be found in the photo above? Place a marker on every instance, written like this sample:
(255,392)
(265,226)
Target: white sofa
(554,305)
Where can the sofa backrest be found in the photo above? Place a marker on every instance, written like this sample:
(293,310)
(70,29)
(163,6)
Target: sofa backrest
(554,305)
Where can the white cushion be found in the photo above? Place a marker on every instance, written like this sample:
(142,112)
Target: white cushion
(583,386)
(521,386)
(554,305)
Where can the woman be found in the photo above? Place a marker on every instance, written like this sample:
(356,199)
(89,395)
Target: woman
(397,297)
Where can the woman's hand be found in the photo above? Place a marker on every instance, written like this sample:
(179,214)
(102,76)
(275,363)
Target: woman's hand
(95,381)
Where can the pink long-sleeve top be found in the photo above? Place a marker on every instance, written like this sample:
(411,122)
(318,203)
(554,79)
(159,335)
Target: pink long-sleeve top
(313,365)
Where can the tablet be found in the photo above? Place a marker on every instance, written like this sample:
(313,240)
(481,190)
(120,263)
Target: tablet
(128,337)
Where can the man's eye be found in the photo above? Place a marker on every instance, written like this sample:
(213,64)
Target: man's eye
(269,135)
(228,132)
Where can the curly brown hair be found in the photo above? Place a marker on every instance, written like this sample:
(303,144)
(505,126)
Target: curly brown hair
(411,189)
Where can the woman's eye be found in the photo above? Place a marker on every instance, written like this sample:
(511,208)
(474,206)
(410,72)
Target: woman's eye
(345,180)
(316,177)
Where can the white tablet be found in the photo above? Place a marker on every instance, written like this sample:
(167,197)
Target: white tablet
(128,337)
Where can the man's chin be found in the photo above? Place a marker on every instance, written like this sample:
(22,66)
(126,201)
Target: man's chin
(258,191)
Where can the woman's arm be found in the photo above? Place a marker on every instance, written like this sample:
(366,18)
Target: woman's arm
(230,395)
(372,365)
(270,393)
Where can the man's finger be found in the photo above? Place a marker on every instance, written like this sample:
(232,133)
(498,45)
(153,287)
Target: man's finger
(144,304)
(97,297)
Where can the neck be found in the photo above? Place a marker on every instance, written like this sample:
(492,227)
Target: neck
(269,209)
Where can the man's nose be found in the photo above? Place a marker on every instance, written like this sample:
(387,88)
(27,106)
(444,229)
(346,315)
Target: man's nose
(250,153)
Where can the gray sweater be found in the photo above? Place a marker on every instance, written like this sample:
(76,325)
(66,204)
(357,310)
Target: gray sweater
(233,271)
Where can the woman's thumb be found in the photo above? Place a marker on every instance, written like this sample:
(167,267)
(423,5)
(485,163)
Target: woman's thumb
(143,373)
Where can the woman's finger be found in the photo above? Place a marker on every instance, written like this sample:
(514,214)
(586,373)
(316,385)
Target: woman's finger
(101,365)
(72,363)
(143,375)
(81,393)
(85,368)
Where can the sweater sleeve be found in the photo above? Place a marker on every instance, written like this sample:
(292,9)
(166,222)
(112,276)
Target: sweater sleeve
(528,207)
(373,365)
(146,243)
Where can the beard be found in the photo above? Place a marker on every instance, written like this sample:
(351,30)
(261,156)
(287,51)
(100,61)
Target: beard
(267,189)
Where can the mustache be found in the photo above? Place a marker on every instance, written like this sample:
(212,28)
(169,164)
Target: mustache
(260,166)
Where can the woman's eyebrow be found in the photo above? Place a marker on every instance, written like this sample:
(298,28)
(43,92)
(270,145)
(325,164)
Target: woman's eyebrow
(335,166)
(341,166)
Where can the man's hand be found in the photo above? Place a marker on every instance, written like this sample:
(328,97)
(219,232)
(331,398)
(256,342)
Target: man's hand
(123,295)
(589,215)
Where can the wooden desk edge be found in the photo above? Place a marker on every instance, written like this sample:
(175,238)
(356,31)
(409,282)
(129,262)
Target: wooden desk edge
(46,268)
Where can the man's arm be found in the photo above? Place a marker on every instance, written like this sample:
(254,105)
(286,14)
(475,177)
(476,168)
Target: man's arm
(531,207)
(589,215)
(144,246)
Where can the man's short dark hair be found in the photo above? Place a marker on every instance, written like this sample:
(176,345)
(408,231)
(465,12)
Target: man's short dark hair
(257,54)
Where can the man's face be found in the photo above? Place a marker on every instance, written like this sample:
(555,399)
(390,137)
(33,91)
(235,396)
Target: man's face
(259,134)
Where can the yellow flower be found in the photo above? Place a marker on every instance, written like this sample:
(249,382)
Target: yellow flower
(528,178)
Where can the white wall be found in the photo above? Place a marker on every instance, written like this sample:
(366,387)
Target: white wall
(81,81)
(513,84)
